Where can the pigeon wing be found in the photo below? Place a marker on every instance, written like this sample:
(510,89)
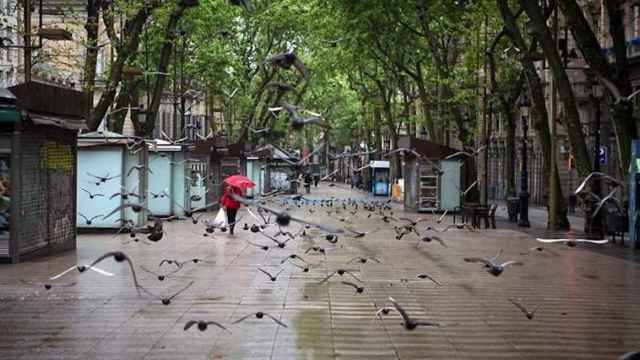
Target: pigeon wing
(181,290)
(189,324)
(243,318)
(218,325)
(276,320)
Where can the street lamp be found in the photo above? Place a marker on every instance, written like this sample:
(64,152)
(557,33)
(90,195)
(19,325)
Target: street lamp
(524,187)
(423,133)
(593,224)
(141,115)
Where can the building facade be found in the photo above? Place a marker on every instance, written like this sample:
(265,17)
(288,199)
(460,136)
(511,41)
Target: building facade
(575,67)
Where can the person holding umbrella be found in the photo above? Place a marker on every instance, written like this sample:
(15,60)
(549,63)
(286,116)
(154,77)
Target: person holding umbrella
(233,185)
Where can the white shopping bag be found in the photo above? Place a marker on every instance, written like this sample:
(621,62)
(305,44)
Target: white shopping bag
(221,218)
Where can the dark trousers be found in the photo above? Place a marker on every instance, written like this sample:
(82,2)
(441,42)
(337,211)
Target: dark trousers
(231,218)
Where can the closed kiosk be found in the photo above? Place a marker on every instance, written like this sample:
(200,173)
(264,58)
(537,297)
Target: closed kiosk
(380,177)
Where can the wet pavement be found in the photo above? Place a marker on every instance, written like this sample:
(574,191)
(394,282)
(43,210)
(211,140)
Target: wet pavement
(587,298)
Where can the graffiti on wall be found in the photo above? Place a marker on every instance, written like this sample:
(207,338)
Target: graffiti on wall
(56,156)
(279,180)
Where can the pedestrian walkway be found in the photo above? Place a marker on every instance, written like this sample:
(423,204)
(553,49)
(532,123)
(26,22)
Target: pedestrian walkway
(586,298)
(538,218)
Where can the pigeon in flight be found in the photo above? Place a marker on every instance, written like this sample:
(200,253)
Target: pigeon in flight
(92,195)
(283,218)
(281,244)
(260,315)
(573,242)
(293,257)
(610,180)
(87,220)
(363,259)
(607,198)
(135,207)
(263,247)
(264,130)
(340,272)
(271,277)
(197,261)
(408,322)
(288,59)
(125,194)
(538,249)
(359,289)
(102,179)
(527,313)
(203,325)
(160,277)
(423,276)
(78,268)
(412,222)
(492,266)
(177,263)
(469,152)
(634,355)
(429,239)
(318,249)
(119,257)
(167,300)
(47,285)
(297,120)
(140,168)
(360,234)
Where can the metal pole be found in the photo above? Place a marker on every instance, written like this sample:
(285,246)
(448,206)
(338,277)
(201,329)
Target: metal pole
(16,194)
(553,186)
(27,40)
(174,127)
(524,186)
(594,223)
(182,98)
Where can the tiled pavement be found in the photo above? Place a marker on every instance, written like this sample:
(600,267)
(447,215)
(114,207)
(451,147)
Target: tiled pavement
(587,298)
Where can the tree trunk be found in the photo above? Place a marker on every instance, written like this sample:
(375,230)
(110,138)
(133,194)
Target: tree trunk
(556,219)
(118,115)
(163,63)
(91,57)
(127,49)
(574,128)
(615,78)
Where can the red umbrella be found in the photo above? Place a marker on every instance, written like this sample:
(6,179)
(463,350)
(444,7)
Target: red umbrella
(239,181)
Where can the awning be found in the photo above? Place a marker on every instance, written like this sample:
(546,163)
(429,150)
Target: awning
(8,115)
(58,121)
(379,164)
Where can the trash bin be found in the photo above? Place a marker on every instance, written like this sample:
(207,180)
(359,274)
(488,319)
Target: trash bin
(573,201)
(513,208)
(293,187)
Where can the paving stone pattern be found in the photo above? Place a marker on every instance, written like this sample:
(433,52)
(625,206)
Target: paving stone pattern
(587,299)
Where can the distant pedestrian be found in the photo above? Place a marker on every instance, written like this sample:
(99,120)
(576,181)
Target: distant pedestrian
(230,205)
(307,182)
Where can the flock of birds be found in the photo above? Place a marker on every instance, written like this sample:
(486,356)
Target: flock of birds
(271,218)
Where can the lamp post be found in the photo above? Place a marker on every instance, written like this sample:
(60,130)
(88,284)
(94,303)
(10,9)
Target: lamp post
(183,35)
(524,187)
(423,133)
(593,224)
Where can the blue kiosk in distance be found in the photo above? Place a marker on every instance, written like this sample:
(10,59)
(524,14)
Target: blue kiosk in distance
(380,177)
